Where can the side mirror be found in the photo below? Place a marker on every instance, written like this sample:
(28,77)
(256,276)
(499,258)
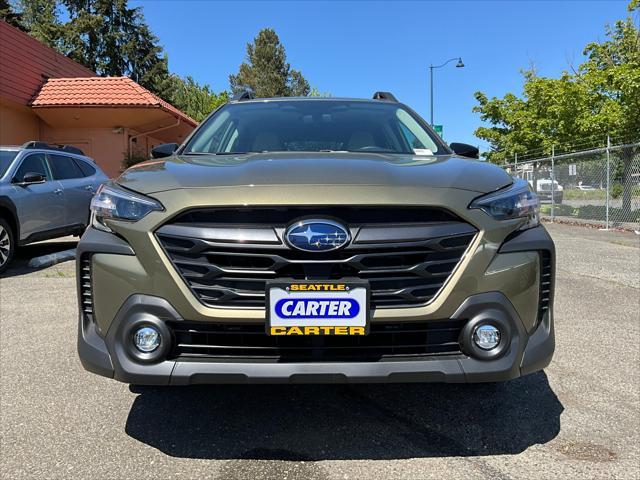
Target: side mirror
(465,150)
(164,150)
(31,178)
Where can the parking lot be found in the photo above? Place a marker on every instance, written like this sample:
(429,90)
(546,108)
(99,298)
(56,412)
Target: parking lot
(580,418)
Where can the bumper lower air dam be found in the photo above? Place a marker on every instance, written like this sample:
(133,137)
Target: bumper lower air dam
(110,356)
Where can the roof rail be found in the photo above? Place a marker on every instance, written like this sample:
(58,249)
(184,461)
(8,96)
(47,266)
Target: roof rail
(72,149)
(244,95)
(33,144)
(386,96)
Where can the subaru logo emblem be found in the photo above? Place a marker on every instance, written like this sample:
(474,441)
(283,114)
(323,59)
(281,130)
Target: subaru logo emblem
(317,235)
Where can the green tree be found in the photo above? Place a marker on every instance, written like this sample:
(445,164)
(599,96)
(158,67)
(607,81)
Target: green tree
(602,97)
(194,99)
(266,70)
(40,19)
(9,15)
(550,112)
(104,35)
(315,92)
(112,39)
(612,72)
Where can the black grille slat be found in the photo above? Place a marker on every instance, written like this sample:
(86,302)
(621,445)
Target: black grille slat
(385,341)
(86,292)
(545,283)
(401,273)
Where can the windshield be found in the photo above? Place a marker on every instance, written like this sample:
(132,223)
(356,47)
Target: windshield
(6,157)
(313,126)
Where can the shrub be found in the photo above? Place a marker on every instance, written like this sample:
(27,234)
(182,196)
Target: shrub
(564,210)
(131,160)
(616,214)
(545,209)
(616,190)
(592,212)
(558,210)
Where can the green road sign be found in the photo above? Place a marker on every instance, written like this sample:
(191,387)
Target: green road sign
(438,129)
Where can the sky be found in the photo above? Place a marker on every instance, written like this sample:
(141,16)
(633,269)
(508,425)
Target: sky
(354,48)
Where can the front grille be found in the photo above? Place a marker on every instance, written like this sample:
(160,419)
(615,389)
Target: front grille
(228,264)
(86,294)
(385,341)
(546,287)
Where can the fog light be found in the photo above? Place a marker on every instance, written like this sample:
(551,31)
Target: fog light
(486,337)
(146,339)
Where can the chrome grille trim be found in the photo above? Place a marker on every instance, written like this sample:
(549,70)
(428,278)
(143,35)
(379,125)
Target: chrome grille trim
(226,266)
(229,234)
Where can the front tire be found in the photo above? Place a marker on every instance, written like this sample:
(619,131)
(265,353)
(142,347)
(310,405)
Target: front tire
(7,244)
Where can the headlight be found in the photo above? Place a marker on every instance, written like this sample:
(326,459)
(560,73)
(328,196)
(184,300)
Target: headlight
(516,201)
(111,201)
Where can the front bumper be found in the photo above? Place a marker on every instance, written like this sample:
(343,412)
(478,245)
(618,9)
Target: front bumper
(110,357)
(530,345)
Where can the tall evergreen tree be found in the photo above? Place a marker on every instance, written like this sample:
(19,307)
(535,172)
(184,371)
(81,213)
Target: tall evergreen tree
(112,39)
(40,19)
(9,15)
(266,70)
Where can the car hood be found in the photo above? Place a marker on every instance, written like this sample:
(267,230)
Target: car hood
(321,169)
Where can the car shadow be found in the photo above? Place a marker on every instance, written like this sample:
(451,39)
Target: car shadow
(25,254)
(345,422)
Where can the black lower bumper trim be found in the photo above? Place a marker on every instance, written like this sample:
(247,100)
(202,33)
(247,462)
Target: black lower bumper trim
(109,357)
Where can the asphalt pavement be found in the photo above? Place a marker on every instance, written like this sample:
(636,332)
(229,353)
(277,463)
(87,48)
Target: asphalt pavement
(578,419)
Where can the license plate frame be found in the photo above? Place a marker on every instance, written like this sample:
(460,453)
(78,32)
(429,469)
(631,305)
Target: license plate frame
(354,290)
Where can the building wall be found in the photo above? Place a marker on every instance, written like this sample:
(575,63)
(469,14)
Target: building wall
(142,145)
(25,64)
(107,146)
(18,124)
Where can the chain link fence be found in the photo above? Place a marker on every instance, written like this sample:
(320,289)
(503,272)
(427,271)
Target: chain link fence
(599,187)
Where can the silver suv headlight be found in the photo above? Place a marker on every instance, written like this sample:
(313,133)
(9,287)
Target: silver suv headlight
(112,201)
(516,201)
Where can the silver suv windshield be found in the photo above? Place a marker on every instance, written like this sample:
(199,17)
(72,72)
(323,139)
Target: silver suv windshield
(6,157)
(313,126)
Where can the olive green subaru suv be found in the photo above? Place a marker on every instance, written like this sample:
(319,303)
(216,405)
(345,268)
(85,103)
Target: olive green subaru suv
(315,240)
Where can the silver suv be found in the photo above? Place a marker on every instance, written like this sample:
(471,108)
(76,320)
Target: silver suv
(45,191)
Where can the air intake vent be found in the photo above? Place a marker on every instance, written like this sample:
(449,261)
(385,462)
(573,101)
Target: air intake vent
(385,341)
(86,294)
(546,287)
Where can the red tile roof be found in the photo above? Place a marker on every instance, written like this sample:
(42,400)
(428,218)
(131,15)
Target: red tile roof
(102,92)
(25,62)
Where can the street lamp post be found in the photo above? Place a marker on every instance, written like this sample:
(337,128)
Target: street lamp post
(431,68)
